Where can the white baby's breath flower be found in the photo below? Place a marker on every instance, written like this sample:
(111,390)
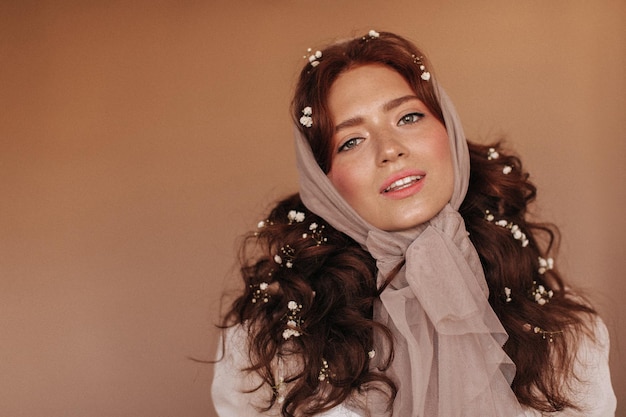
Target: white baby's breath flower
(545,265)
(287,333)
(306,121)
(316,55)
(507,293)
(296,216)
(492,154)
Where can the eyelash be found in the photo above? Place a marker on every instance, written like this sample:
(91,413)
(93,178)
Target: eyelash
(346,145)
(413,118)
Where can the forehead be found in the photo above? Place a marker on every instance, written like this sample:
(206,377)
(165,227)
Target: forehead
(366,85)
(369,73)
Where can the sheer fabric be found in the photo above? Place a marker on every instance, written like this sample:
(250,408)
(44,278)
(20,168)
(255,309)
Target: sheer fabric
(448,341)
(231,386)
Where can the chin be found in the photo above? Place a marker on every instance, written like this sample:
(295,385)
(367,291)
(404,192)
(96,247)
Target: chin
(399,226)
(408,221)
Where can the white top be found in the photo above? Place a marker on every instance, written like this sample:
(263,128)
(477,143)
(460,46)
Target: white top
(594,393)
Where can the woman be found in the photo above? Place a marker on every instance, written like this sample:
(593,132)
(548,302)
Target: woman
(403,279)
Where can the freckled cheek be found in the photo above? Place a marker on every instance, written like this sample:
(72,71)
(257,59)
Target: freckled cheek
(345,183)
(442,144)
(445,156)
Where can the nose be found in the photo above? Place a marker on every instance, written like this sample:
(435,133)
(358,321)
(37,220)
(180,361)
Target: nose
(390,149)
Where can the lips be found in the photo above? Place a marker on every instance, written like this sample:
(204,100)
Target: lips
(403,183)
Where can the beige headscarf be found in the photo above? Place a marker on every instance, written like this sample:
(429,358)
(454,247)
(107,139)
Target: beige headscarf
(448,341)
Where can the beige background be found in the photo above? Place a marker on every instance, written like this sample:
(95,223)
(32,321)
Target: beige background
(138,141)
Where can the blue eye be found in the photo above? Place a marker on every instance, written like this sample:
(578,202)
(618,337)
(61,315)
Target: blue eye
(410,118)
(350,143)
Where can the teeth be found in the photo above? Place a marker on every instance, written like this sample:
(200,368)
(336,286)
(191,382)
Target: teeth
(403,182)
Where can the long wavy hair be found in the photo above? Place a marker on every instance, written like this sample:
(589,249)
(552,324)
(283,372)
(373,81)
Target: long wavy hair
(333,280)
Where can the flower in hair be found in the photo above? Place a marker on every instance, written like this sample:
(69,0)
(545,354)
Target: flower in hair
(261,293)
(316,233)
(295,216)
(425,74)
(507,293)
(306,120)
(507,169)
(545,265)
(518,234)
(372,34)
(492,154)
(313,58)
(287,333)
(262,224)
(540,294)
(513,228)
(324,372)
(288,256)
(293,320)
(545,334)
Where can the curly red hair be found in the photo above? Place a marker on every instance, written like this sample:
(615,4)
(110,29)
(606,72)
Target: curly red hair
(336,282)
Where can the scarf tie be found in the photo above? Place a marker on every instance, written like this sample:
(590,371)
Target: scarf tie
(448,356)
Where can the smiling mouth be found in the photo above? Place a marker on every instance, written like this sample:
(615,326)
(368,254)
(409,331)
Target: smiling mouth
(403,183)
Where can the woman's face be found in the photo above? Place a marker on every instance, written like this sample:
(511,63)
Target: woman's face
(391,158)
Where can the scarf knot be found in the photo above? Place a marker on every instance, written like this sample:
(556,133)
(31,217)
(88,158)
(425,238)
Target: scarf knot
(448,357)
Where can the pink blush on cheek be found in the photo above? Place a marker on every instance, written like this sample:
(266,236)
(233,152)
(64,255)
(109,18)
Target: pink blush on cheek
(342,184)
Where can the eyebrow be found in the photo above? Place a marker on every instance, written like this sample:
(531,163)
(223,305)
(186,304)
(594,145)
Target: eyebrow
(355,121)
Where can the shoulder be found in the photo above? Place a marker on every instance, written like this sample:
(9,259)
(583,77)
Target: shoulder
(591,387)
(234,389)
(236,392)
